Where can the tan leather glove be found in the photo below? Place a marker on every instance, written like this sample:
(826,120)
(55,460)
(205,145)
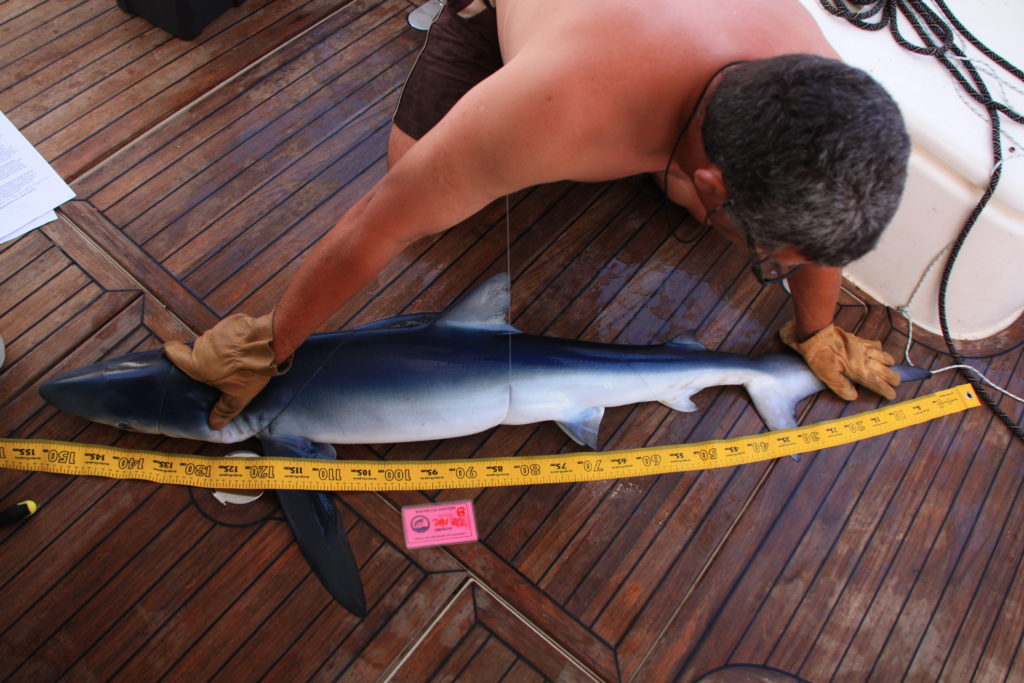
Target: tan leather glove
(836,357)
(234,356)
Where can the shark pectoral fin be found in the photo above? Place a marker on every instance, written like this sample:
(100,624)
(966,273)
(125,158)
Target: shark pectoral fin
(777,414)
(296,447)
(584,426)
(318,530)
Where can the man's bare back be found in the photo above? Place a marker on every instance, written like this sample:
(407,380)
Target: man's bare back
(604,87)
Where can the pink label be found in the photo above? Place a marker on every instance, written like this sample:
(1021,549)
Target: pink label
(438,524)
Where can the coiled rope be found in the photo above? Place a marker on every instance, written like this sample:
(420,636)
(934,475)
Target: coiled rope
(938,35)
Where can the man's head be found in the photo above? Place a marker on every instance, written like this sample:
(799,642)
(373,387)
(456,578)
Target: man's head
(812,152)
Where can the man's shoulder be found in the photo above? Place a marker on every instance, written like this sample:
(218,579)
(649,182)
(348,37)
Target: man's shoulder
(652,30)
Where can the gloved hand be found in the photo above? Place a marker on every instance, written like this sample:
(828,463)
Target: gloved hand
(836,357)
(234,356)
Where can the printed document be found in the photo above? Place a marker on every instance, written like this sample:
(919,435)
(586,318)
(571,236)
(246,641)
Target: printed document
(29,187)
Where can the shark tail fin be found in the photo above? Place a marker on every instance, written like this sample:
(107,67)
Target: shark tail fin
(784,380)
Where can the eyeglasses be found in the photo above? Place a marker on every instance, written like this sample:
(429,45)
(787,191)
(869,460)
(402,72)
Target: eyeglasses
(766,270)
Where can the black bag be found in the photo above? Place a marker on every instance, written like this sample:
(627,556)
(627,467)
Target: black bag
(181,18)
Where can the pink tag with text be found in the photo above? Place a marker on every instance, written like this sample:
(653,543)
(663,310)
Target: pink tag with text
(438,524)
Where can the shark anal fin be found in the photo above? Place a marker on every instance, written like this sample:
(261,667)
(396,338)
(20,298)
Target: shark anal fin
(317,527)
(583,427)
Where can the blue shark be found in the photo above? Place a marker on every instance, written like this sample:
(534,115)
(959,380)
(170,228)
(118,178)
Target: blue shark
(424,377)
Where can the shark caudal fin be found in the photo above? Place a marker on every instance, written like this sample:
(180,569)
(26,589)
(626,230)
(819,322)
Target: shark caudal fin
(784,380)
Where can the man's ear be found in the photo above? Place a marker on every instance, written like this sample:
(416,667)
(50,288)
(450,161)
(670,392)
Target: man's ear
(710,185)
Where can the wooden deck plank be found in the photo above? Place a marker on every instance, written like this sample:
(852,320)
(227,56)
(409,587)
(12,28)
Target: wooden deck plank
(21,19)
(247,96)
(102,105)
(114,314)
(526,641)
(257,608)
(955,608)
(288,135)
(1002,646)
(786,645)
(890,601)
(408,624)
(159,607)
(205,169)
(45,579)
(449,629)
(78,37)
(478,638)
(138,266)
(62,624)
(466,649)
(532,603)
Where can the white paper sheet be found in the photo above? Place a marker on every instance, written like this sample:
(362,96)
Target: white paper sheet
(29,187)
(31,225)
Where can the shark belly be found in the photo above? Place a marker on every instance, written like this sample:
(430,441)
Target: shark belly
(559,380)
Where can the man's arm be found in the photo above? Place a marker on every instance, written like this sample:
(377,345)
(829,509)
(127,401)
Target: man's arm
(815,291)
(500,138)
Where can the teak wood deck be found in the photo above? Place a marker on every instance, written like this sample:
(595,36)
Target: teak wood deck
(205,169)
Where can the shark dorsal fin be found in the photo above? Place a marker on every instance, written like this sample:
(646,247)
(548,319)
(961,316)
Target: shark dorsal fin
(688,342)
(485,308)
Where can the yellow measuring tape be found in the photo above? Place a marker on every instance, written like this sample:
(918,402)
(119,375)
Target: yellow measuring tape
(372,475)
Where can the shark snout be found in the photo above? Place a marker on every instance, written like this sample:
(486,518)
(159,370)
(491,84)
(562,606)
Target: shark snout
(74,392)
(127,393)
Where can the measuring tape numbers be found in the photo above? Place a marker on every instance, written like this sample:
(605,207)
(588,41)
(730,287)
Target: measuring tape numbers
(370,475)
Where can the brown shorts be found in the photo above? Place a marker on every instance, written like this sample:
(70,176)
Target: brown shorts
(459,52)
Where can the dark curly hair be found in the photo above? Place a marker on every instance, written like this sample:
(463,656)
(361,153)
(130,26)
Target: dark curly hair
(813,154)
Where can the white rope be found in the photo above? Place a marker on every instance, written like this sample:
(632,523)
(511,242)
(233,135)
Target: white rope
(984,379)
(904,310)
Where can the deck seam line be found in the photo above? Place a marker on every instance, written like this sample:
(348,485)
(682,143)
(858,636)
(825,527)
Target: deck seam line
(533,627)
(390,672)
(146,291)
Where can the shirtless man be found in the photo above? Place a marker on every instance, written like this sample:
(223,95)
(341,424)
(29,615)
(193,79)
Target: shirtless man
(742,106)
